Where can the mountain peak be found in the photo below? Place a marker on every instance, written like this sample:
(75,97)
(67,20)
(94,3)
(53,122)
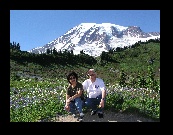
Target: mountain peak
(94,38)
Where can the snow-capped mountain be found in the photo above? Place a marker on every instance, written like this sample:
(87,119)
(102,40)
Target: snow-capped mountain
(94,38)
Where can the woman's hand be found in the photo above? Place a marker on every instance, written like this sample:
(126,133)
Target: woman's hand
(68,100)
(67,107)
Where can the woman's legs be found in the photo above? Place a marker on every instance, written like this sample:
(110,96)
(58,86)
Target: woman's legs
(78,104)
(72,107)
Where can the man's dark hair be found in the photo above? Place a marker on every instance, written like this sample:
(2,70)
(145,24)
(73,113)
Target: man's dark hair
(72,74)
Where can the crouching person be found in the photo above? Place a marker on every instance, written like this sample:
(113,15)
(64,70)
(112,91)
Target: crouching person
(96,93)
(74,94)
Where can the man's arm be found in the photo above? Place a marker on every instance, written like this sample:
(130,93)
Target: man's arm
(103,94)
(103,90)
(103,98)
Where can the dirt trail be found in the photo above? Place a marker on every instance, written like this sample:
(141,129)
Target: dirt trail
(108,117)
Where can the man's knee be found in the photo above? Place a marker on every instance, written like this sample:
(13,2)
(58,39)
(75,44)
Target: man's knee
(88,103)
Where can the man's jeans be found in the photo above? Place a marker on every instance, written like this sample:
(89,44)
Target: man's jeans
(93,103)
(76,104)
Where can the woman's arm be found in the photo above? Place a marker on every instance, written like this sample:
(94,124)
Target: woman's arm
(67,99)
(78,94)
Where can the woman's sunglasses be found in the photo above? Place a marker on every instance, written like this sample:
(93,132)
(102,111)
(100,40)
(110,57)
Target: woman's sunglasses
(72,78)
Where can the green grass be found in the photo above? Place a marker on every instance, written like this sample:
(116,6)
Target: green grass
(37,89)
(31,101)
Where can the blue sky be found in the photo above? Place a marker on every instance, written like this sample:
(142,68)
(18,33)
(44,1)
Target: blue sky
(35,28)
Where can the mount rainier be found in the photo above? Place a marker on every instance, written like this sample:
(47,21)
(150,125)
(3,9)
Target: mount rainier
(94,38)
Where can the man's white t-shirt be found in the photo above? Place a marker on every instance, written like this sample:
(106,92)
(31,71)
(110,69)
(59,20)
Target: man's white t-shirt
(94,89)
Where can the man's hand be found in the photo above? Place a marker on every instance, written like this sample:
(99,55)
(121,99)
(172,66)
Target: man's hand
(101,104)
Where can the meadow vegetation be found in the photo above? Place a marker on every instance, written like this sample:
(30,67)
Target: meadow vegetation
(38,81)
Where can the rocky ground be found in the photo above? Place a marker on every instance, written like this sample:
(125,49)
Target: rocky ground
(108,117)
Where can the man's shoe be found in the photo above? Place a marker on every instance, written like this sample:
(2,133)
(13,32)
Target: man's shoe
(100,114)
(93,112)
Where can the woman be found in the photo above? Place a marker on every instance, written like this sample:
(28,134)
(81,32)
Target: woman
(74,94)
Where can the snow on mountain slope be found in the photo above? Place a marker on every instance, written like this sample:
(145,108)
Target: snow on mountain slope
(94,38)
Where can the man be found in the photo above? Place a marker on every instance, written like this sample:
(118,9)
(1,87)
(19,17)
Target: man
(96,93)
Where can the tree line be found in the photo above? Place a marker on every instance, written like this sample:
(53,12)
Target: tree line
(68,57)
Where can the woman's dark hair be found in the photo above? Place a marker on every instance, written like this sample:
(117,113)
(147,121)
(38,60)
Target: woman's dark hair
(72,74)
